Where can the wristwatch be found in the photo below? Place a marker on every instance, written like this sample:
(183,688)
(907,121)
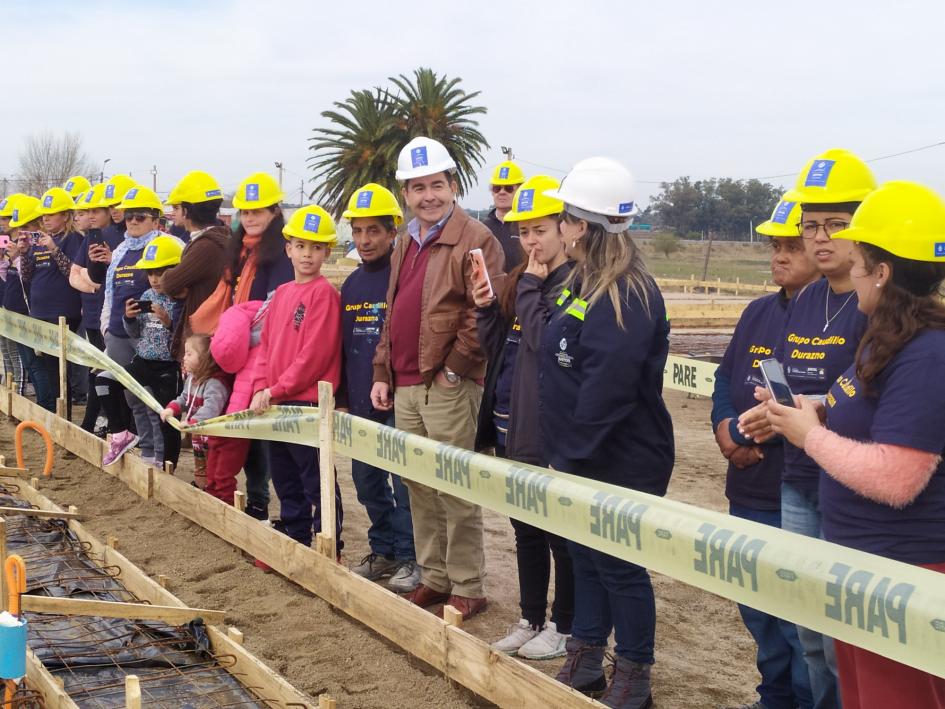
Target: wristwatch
(451,376)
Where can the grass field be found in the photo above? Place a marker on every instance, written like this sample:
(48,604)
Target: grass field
(728,261)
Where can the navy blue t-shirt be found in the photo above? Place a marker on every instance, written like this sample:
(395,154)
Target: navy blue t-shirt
(52,296)
(14,297)
(128,282)
(363,311)
(904,408)
(92,302)
(814,356)
(755,338)
(502,402)
(602,414)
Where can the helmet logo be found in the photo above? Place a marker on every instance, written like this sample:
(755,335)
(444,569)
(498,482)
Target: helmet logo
(151,252)
(252,192)
(69,185)
(47,201)
(818,173)
(364,199)
(88,197)
(213,193)
(3,204)
(939,249)
(109,191)
(418,156)
(132,193)
(311,223)
(625,207)
(526,200)
(16,215)
(503,173)
(782,212)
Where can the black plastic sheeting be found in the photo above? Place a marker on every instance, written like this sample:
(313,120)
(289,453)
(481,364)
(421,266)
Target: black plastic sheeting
(92,655)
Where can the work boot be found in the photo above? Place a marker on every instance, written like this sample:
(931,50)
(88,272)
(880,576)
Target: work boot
(584,668)
(257,511)
(376,566)
(629,686)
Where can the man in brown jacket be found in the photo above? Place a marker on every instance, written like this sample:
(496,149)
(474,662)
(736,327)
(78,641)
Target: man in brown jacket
(429,358)
(197,199)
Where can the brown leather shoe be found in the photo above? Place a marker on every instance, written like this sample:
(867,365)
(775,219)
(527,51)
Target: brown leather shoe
(424,596)
(468,606)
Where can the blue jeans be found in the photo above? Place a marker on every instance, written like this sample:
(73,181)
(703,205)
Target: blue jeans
(39,375)
(612,594)
(391,530)
(785,680)
(800,513)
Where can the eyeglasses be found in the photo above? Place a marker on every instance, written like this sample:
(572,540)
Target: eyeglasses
(809,229)
(137,217)
(504,188)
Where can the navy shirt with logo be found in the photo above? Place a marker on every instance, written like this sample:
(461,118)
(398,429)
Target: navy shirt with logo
(363,311)
(52,296)
(602,414)
(755,338)
(904,408)
(127,282)
(502,403)
(813,357)
(92,302)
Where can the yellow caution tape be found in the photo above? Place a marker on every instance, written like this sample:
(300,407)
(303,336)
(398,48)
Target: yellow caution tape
(888,607)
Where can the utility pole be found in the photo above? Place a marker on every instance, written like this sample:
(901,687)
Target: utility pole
(102,175)
(154,178)
(279,168)
(301,192)
(507,151)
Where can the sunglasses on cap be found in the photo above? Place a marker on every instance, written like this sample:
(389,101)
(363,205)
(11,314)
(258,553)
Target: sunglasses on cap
(504,188)
(137,216)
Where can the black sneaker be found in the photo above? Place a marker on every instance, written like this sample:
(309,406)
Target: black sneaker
(374,566)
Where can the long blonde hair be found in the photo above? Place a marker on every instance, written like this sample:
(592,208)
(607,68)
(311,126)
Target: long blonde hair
(612,262)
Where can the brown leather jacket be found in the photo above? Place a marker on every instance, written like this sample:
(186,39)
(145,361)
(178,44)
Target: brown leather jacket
(448,334)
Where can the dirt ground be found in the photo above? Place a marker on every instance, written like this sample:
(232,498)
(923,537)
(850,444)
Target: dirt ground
(704,655)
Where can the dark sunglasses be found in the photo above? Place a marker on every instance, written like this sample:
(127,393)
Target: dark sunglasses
(504,188)
(137,217)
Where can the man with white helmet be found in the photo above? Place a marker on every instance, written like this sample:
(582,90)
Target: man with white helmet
(429,358)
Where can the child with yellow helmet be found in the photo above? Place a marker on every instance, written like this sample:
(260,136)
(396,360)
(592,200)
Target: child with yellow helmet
(879,436)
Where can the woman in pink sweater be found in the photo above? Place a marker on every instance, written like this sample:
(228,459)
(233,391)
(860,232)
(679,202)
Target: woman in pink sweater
(882,489)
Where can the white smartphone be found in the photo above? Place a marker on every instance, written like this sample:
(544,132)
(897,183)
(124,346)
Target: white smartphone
(479,271)
(776,382)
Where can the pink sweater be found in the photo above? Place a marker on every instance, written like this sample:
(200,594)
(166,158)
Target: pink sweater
(301,342)
(233,349)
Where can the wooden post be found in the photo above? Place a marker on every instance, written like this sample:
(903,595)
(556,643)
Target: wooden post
(168,467)
(235,635)
(239,500)
(162,580)
(132,692)
(452,616)
(737,283)
(326,541)
(718,288)
(326,702)
(34,483)
(112,542)
(63,403)
(3,563)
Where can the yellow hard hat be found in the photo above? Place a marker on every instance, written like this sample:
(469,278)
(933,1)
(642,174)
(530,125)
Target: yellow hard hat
(195,187)
(530,201)
(55,200)
(784,220)
(93,197)
(257,191)
(25,210)
(115,189)
(372,200)
(75,185)
(834,176)
(507,173)
(904,218)
(311,223)
(139,197)
(161,252)
(9,202)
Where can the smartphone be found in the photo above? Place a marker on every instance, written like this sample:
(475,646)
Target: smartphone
(776,382)
(96,238)
(479,271)
(34,238)
(144,306)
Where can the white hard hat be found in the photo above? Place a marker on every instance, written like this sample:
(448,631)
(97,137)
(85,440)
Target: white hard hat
(598,190)
(421,157)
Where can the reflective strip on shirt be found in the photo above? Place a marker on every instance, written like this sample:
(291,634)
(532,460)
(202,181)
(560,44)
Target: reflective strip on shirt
(577,309)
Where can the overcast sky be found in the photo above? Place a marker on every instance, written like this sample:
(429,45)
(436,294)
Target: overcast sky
(708,89)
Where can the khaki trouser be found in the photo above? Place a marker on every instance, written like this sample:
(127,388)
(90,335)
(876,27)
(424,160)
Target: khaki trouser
(447,531)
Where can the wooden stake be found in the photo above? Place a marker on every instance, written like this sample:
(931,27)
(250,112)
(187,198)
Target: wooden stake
(452,616)
(62,403)
(39,513)
(326,702)
(326,464)
(239,500)
(112,542)
(235,635)
(168,467)
(162,580)
(132,692)
(34,483)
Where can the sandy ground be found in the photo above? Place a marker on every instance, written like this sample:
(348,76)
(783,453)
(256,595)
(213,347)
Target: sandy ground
(704,655)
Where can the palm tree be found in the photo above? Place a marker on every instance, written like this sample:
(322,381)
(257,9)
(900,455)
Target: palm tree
(437,108)
(361,148)
(369,128)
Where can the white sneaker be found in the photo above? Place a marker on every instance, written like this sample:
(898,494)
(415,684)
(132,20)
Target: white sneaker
(545,645)
(519,634)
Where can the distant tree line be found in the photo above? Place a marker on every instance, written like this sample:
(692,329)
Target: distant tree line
(720,208)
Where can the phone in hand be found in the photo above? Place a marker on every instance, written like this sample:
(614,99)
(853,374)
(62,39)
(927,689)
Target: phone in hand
(34,238)
(96,238)
(480,273)
(773,373)
(144,306)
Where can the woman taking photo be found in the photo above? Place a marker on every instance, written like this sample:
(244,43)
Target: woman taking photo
(882,485)
(510,329)
(603,417)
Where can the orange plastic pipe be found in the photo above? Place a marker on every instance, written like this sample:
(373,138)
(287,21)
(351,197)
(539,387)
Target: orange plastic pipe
(18,444)
(15,570)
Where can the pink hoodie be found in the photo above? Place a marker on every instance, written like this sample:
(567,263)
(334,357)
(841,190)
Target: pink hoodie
(235,347)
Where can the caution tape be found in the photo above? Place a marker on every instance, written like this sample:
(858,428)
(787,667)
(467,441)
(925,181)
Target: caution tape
(888,607)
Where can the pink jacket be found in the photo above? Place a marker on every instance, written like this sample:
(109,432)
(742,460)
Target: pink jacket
(235,347)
